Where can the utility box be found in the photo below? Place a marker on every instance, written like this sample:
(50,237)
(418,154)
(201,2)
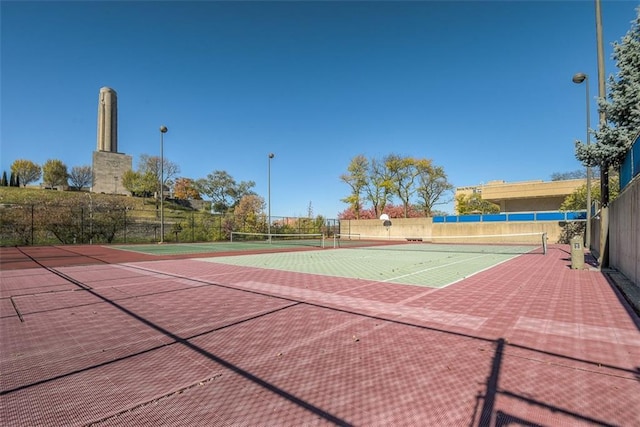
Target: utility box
(577,253)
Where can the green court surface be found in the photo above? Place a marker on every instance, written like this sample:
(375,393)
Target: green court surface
(196,248)
(414,264)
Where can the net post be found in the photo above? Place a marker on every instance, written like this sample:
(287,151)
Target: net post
(544,243)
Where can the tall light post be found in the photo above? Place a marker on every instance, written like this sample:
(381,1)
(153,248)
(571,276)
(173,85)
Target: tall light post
(603,250)
(271,156)
(163,130)
(578,78)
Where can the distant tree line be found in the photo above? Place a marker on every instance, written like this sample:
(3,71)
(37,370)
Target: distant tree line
(235,202)
(53,173)
(219,186)
(416,183)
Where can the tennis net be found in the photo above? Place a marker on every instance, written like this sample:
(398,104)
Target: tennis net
(519,243)
(279,239)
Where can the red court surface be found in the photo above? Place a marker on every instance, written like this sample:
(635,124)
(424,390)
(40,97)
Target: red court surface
(106,338)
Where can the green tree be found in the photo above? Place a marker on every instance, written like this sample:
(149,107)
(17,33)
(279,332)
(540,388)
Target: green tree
(378,187)
(81,176)
(403,174)
(376,182)
(243,189)
(223,191)
(152,164)
(140,184)
(577,201)
(474,204)
(4,182)
(26,170)
(433,185)
(54,173)
(249,214)
(356,179)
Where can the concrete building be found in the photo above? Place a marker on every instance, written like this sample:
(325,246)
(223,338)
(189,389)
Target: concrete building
(525,196)
(108,165)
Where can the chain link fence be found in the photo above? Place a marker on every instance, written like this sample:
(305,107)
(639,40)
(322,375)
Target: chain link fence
(51,224)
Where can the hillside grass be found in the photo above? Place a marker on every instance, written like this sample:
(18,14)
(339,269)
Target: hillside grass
(139,206)
(39,216)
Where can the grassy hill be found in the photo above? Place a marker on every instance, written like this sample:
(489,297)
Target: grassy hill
(38,216)
(20,195)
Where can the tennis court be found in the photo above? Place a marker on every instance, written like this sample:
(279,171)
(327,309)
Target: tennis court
(400,261)
(102,336)
(413,264)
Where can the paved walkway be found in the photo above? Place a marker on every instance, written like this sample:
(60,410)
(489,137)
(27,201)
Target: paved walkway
(186,342)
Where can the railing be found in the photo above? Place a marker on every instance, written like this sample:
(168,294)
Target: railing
(516,216)
(630,167)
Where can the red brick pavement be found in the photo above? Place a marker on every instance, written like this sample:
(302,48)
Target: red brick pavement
(185,342)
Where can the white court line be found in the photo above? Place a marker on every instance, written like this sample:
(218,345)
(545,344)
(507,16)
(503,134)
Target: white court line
(580,330)
(359,305)
(448,265)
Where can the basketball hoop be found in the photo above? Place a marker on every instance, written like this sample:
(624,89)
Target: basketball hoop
(385,221)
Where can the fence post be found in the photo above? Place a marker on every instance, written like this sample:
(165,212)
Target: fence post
(81,224)
(32,213)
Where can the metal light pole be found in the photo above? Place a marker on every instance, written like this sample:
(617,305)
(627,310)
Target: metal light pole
(163,130)
(271,156)
(578,78)
(604,166)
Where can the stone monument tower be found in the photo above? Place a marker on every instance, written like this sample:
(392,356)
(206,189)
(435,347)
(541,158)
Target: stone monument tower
(108,120)
(108,165)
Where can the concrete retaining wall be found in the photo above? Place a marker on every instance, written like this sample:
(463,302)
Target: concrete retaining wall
(425,229)
(624,232)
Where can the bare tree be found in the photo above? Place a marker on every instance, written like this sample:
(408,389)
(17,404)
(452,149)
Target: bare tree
(81,176)
(152,164)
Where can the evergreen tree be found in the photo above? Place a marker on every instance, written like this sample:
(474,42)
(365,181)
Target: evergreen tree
(12,180)
(4,181)
(621,108)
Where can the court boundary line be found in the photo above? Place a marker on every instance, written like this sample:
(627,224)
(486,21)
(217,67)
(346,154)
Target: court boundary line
(395,321)
(390,280)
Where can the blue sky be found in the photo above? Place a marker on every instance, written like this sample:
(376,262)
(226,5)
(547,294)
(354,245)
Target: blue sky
(482,88)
